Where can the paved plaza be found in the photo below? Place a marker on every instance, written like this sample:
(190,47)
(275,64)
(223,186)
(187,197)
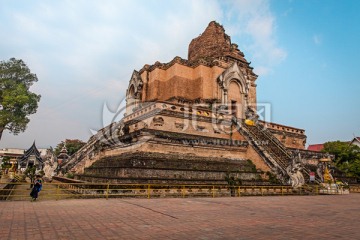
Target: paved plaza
(283,217)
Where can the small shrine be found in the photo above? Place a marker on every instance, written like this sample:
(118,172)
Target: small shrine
(328,184)
(31,157)
(63,156)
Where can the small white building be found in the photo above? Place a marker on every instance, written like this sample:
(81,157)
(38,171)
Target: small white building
(13,154)
(356,141)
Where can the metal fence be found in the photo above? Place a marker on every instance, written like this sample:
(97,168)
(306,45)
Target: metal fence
(58,190)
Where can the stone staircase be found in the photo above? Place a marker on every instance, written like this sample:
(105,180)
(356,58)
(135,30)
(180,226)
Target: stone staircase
(269,148)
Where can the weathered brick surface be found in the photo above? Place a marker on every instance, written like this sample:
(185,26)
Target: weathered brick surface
(152,167)
(213,42)
(209,55)
(290,217)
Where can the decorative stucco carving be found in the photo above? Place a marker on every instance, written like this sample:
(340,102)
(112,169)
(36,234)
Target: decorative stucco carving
(201,128)
(233,73)
(158,121)
(294,171)
(135,86)
(179,125)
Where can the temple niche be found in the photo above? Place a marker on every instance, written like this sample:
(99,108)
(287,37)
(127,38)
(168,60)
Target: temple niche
(186,122)
(133,93)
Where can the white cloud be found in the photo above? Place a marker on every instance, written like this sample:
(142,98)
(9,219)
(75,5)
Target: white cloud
(287,12)
(262,71)
(255,25)
(84,52)
(317,39)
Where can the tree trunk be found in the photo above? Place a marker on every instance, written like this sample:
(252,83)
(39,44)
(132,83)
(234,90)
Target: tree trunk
(32,182)
(1,131)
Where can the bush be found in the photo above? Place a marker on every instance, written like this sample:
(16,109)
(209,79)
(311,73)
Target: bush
(69,175)
(251,166)
(272,178)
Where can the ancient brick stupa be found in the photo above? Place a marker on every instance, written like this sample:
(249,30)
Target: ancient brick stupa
(185,123)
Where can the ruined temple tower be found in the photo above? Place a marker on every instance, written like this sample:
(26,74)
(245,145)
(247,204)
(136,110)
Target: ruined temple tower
(215,72)
(185,123)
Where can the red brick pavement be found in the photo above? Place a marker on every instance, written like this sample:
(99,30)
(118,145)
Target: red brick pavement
(287,217)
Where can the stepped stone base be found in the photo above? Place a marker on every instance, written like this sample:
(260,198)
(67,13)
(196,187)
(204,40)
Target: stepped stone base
(147,167)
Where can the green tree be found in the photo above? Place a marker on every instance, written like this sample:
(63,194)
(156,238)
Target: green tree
(17,102)
(30,173)
(72,146)
(347,157)
(6,163)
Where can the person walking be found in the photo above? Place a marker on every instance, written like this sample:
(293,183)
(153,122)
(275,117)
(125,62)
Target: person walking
(37,188)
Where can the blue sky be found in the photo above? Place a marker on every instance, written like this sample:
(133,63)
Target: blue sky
(305,53)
